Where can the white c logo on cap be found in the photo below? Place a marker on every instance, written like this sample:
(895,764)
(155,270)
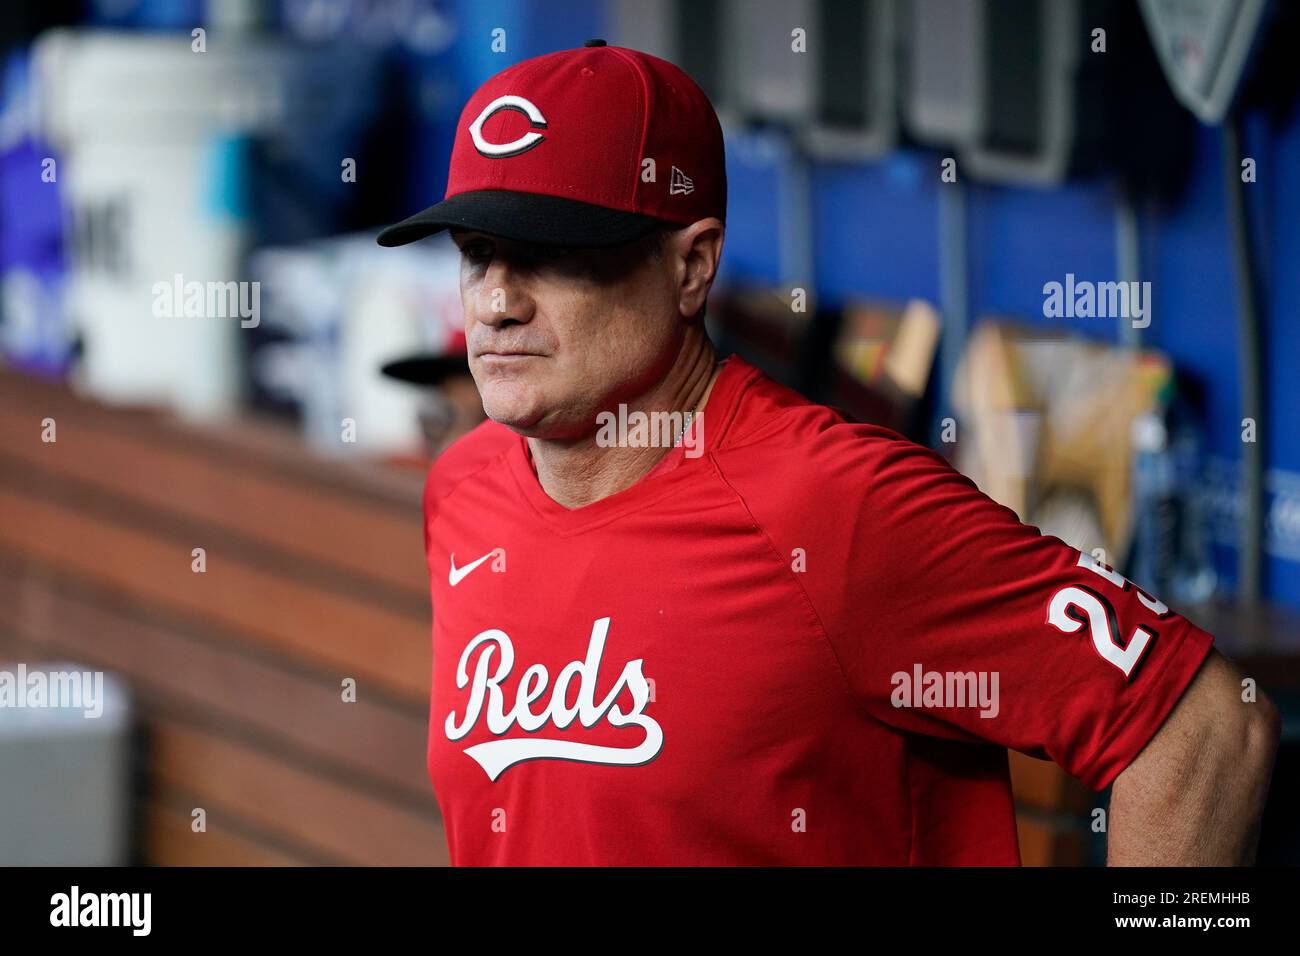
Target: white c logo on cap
(515,147)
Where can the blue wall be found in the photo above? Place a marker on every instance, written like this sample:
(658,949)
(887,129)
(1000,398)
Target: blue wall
(875,229)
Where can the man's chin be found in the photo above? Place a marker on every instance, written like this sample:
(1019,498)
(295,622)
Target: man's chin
(520,426)
(533,422)
(522,417)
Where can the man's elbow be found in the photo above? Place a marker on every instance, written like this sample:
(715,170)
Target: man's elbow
(1262,733)
(1243,771)
(1243,740)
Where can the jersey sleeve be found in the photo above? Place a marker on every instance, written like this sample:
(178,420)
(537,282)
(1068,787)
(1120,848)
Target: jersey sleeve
(950,617)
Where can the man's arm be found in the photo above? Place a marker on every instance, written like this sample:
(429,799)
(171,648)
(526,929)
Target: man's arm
(1194,795)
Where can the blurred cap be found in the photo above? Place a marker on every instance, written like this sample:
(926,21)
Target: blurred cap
(431,368)
(587,147)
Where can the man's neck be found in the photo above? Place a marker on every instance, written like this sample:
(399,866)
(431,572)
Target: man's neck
(578,473)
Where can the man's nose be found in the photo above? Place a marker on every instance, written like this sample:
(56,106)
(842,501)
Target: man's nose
(502,296)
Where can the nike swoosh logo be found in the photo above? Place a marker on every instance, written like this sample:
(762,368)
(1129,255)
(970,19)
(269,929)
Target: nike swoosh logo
(456,575)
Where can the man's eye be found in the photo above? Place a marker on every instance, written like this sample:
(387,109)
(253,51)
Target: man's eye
(476,251)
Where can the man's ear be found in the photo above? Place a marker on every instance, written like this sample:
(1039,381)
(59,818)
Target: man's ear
(697,250)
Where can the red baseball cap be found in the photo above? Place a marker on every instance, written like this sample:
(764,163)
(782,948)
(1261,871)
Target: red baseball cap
(587,147)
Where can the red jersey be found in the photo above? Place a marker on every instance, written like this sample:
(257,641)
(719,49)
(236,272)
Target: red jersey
(810,644)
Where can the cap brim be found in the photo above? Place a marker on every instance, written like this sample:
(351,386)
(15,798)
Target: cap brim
(525,217)
(427,369)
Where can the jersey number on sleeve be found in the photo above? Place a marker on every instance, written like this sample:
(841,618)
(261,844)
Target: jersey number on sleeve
(1075,606)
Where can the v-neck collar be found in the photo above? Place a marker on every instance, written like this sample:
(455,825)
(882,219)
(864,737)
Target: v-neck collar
(656,484)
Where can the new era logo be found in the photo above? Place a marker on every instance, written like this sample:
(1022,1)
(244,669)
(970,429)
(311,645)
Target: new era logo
(680,184)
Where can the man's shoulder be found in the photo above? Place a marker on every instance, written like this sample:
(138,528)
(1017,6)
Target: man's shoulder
(805,472)
(782,429)
(474,451)
(791,459)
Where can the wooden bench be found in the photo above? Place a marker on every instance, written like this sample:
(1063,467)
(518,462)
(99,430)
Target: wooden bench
(314,573)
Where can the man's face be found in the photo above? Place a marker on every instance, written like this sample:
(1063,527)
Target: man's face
(557,335)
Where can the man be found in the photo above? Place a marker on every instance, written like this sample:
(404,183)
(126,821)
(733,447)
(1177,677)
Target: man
(450,405)
(719,648)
